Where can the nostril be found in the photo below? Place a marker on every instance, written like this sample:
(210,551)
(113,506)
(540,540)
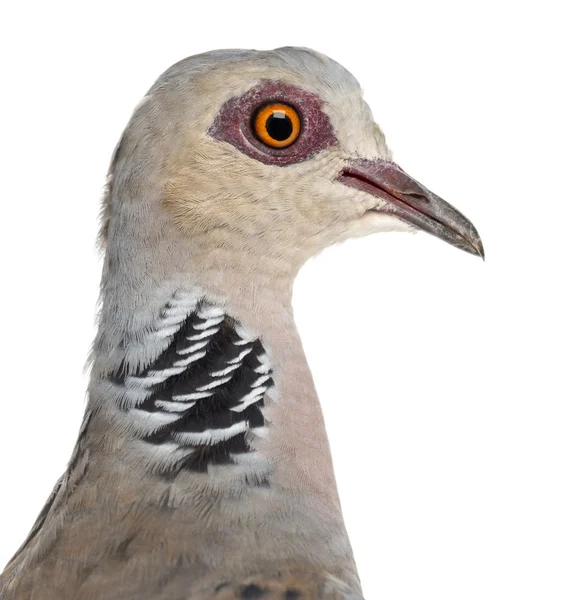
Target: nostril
(420,197)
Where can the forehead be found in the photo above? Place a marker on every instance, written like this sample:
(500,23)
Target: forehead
(198,86)
(237,70)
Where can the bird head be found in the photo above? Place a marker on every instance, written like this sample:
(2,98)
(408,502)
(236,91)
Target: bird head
(264,156)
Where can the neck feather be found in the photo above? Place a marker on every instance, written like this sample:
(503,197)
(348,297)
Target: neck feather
(215,387)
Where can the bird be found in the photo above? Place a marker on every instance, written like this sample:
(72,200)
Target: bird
(202,468)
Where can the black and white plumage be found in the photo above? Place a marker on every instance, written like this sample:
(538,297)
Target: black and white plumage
(203,397)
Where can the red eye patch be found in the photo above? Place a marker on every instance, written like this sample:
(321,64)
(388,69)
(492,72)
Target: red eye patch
(235,124)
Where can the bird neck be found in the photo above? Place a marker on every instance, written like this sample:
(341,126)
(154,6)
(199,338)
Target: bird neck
(208,382)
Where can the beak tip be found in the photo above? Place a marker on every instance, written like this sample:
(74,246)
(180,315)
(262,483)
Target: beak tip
(479,247)
(475,247)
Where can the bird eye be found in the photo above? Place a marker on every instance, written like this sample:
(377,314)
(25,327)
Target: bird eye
(277,125)
(265,124)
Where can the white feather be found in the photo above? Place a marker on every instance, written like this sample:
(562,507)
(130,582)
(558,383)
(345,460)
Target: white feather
(213,384)
(210,436)
(172,406)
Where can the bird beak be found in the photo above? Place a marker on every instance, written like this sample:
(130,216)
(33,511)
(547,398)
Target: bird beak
(410,201)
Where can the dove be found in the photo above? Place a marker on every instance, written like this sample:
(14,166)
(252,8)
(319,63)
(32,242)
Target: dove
(202,470)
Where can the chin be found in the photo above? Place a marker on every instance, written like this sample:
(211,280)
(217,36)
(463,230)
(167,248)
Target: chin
(377,222)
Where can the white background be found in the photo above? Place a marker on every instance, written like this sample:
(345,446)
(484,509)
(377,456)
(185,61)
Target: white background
(444,380)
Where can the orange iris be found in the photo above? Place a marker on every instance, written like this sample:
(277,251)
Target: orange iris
(277,125)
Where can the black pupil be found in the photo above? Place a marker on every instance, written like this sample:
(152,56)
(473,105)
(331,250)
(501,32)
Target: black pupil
(279,126)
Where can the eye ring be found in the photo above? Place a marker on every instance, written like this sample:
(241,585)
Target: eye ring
(277,125)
